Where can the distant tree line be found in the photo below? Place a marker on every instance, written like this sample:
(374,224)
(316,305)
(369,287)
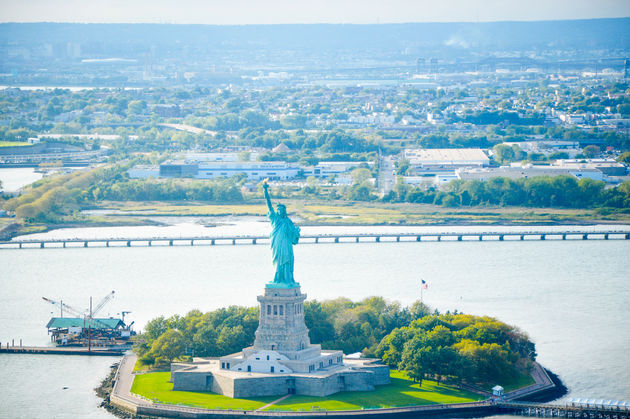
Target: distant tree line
(335,324)
(56,198)
(216,190)
(541,191)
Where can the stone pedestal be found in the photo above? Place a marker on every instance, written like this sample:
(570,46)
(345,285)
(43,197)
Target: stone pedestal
(282,359)
(281,327)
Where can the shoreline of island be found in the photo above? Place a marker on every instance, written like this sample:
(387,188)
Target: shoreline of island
(115,390)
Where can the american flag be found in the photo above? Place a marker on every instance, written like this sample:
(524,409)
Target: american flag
(424,284)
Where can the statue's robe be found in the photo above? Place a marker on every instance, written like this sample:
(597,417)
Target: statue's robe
(284,235)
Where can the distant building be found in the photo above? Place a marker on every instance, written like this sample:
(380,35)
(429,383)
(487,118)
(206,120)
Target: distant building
(141,171)
(326,169)
(203,157)
(529,171)
(608,167)
(574,119)
(439,160)
(215,169)
(547,147)
(47,151)
(436,180)
(281,148)
(167,110)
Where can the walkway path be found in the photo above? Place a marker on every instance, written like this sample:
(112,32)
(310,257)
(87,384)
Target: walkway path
(541,381)
(125,377)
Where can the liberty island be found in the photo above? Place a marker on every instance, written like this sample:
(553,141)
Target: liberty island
(282,359)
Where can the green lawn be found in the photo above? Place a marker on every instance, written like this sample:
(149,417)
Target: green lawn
(523,380)
(155,386)
(402,392)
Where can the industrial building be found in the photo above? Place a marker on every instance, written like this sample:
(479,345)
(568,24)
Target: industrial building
(439,160)
(214,169)
(517,171)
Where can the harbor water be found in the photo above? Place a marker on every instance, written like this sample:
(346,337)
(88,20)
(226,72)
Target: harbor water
(571,297)
(15,178)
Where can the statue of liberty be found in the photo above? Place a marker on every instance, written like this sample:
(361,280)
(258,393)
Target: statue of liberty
(284,235)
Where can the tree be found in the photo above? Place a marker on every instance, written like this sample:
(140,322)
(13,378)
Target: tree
(416,357)
(402,166)
(318,323)
(167,347)
(360,175)
(362,192)
(624,158)
(591,151)
(503,153)
(136,107)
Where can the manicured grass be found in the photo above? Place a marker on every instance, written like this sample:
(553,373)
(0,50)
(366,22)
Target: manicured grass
(155,386)
(401,392)
(523,380)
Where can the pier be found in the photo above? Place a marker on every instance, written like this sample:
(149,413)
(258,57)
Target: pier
(320,238)
(600,409)
(59,350)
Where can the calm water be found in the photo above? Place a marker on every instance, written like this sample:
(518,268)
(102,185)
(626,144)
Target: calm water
(16,178)
(571,297)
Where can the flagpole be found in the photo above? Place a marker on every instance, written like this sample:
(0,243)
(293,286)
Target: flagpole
(421,287)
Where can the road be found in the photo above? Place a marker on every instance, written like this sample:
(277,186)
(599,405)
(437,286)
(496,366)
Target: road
(386,177)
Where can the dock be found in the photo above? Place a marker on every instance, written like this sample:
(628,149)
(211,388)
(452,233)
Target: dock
(600,409)
(521,235)
(52,350)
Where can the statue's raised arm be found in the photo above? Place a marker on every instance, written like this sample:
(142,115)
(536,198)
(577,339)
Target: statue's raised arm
(267,198)
(284,235)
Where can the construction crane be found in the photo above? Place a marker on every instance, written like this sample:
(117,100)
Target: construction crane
(87,315)
(63,306)
(101,304)
(124,313)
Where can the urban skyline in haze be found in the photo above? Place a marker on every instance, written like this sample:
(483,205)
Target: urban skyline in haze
(241,12)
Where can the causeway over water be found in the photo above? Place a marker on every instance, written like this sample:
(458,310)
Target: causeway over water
(524,234)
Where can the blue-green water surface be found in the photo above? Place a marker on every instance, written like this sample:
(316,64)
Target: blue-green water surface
(571,297)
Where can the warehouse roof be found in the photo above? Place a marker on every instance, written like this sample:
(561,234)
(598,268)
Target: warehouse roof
(65,322)
(446,155)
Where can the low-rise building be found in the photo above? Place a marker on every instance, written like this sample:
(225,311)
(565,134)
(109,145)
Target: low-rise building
(529,171)
(609,167)
(214,169)
(326,169)
(547,147)
(144,171)
(440,160)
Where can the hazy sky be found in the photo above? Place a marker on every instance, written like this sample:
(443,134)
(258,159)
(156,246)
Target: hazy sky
(305,11)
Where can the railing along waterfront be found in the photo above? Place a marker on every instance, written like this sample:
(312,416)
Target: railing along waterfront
(318,238)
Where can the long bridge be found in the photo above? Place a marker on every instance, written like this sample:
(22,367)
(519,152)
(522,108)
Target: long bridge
(319,238)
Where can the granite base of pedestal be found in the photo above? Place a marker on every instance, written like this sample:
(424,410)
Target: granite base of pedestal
(350,375)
